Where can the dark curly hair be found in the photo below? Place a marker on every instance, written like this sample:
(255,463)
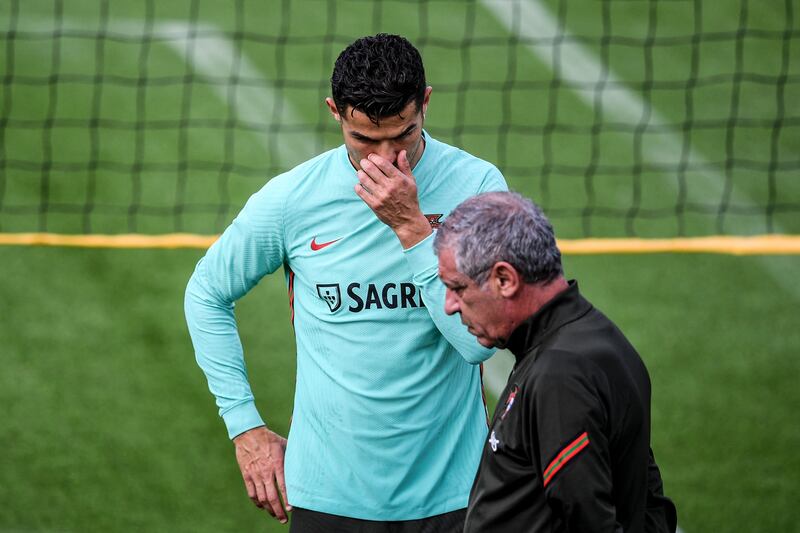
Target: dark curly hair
(378,76)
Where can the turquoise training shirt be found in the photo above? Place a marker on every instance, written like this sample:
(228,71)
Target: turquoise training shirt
(389,419)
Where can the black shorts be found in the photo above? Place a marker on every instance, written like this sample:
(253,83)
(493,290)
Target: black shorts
(306,521)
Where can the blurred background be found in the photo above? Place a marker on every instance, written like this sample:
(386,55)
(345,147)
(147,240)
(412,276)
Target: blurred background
(625,119)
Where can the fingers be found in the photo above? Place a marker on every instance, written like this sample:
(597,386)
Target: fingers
(268,495)
(402,163)
(252,492)
(379,168)
(262,498)
(260,455)
(376,166)
(251,489)
(281,482)
(370,176)
(265,495)
(366,184)
(363,193)
(375,171)
(273,504)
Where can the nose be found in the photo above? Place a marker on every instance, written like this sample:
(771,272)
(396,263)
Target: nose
(389,151)
(451,305)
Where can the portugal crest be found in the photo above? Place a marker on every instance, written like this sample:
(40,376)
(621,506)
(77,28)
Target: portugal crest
(435,220)
(510,401)
(331,294)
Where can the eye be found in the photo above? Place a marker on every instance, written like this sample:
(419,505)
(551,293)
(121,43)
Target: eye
(407,133)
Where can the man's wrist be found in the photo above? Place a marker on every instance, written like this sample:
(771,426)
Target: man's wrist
(241,418)
(413,232)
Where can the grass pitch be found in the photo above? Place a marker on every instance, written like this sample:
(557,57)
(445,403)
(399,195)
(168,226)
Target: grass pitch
(110,427)
(108,424)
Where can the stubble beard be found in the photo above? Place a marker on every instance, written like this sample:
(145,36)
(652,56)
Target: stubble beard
(412,157)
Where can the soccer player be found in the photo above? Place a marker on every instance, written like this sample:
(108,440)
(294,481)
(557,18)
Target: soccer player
(388,417)
(569,445)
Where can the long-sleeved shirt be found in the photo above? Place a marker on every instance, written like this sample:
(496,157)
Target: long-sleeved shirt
(569,444)
(388,417)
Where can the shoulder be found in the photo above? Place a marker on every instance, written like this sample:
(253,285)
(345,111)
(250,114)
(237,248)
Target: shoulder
(575,349)
(314,167)
(487,177)
(562,362)
(292,182)
(560,378)
(454,154)
(596,338)
(319,164)
(591,350)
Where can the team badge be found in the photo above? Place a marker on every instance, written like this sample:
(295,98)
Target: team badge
(331,294)
(493,442)
(510,401)
(435,220)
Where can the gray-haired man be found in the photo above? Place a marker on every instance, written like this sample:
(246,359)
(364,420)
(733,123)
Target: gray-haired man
(569,446)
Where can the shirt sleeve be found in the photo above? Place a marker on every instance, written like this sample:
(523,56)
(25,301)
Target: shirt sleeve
(492,181)
(251,247)
(573,451)
(425,268)
(660,514)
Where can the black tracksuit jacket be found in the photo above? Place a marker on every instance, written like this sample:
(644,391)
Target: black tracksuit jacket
(569,445)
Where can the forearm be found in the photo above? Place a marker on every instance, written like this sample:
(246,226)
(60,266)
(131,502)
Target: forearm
(424,266)
(414,232)
(218,351)
(571,423)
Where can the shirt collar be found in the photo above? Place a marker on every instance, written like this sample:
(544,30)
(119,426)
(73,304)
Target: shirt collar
(565,307)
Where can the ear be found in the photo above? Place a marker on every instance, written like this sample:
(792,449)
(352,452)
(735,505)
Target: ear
(426,99)
(504,280)
(332,108)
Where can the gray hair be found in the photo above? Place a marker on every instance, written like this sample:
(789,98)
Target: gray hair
(500,226)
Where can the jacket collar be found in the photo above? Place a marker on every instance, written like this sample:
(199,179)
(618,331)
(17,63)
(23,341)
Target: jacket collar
(565,307)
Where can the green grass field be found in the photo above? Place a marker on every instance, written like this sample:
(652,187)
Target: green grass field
(108,423)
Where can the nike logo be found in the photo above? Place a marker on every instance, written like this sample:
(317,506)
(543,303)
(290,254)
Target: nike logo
(316,247)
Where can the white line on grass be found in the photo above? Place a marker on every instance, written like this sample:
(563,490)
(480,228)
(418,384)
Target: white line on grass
(533,20)
(530,19)
(215,56)
(580,65)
